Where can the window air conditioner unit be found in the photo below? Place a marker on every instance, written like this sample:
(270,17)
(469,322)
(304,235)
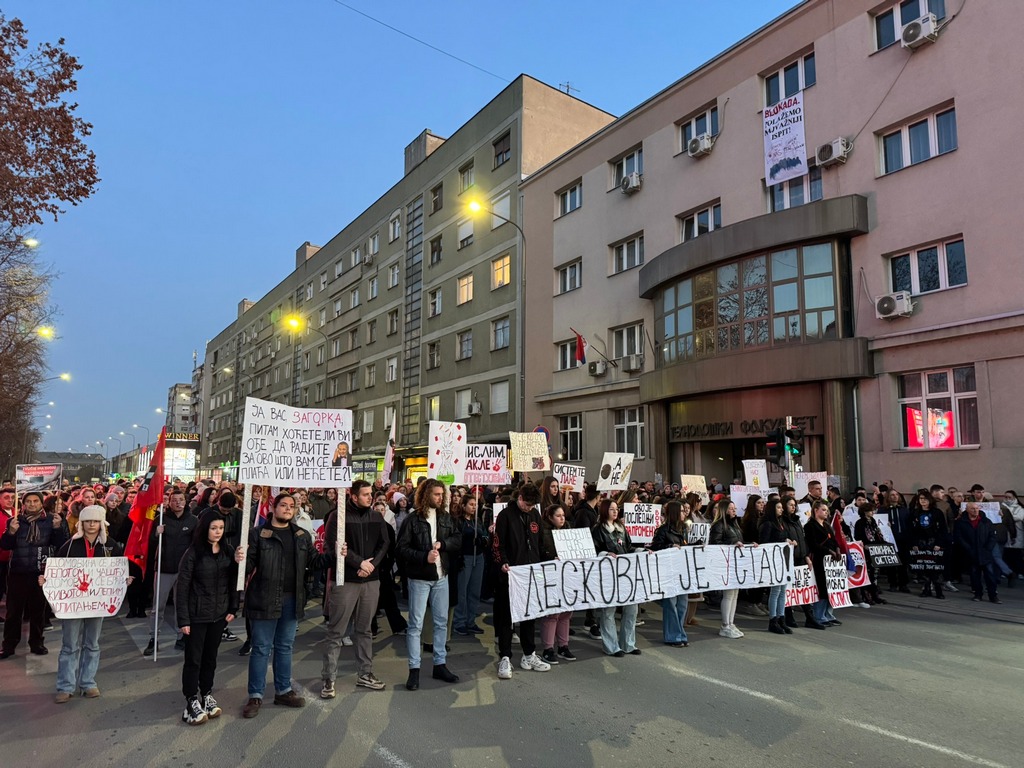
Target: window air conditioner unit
(633,363)
(894,305)
(475,408)
(368,259)
(833,153)
(356,434)
(597,368)
(631,183)
(700,145)
(920,32)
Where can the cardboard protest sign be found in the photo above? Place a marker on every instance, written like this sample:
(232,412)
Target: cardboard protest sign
(756,472)
(555,586)
(698,533)
(615,471)
(851,516)
(446,451)
(695,484)
(859,576)
(529,452)
(803,590)
(641,521)
(571,477)
(883,555)
(739,494)
(885,529)
(37,477)
(295,447)
(573,543)
(486,464)
(837,582)
(989,509)
(801,479)
(927,562)
(85,587)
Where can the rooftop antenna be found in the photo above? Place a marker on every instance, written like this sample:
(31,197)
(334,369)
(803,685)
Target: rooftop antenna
(567,87)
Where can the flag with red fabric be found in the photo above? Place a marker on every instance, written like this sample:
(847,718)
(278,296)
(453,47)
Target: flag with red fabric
(581,348)
(837,530)
(145,507)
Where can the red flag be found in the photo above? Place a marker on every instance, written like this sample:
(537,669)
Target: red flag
(581,348)
(837,530)
(144,508)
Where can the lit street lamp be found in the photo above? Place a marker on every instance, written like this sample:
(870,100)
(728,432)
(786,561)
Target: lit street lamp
(140,426)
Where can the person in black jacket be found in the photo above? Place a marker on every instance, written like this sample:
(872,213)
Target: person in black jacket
(673,533)
(821,543)
(726,531)
(977,537)
(427,543)
(899,523)
(929,533)
(612,538)
(801,556)
(172,539)
(205,599)
(475,541)
(774,530)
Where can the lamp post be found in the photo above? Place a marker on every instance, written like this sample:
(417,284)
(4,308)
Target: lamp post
(140,426)
(296,324)
(117,456)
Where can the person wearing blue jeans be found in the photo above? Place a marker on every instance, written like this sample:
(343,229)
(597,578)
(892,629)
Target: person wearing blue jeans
(474,544)
(821,543)
(611,538)
(673,533)
(775,531)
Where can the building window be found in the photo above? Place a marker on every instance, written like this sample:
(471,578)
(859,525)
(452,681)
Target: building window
(323,280)
(332,387)
(501,210)
(795,192)
(371,331)
(352,380)
(305,361)
(353,339)
(789,80)
(500,333)
(888,28)
(337,307)
(319,396)
(503,150)
(435,250)
(628,340)
(700,222)
(389,416)
(335,347)
(570,199)
(309,291)
(356,256)
(434,303)
(392,322)
(353,298)
(394,271)
(368,420)
(919,141)
(374,246)
(569,277)
(463,397)
(629,431)
(939,409)
(499,397)
(321,353)
(371,289)
(391,369)
(433,408)
(339,267)
(465,235)
(437,198)
(466,177)
(701,123)
(501,271)
(321,317)
(930,269)
(371,374)
(624,166)
(570,437)
(567,355)
(464,345)
(395,227)
(433,355)
(628,254)
(464,292)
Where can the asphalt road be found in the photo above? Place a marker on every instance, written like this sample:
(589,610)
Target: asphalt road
(893,687)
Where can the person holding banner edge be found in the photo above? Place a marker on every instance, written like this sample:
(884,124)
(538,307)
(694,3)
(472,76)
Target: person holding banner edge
(774,531)
(674,532)
(611,537)
(554,628)
(821,542)
(725,529)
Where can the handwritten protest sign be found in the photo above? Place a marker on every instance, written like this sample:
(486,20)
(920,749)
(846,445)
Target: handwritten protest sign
(486,464)
(573,543)
(529,452)
(739,494)
(859,576)
(885,529)
(641,521)
(555,586)
(615,471)
(883,555)
(446,451)
(85,587)
(695,484)
(927,562)
(803,590)
(988,508)
(295,447)
(837,582)
(756,472)
(698,533)
(37,477)
(801,479)
(571,477)
(785,149)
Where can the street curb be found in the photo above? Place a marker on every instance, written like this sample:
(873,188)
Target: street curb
(948,608)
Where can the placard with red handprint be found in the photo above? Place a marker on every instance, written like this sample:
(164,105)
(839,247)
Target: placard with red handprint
(85,587)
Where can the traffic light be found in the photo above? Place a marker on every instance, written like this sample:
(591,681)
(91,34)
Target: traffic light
(776,447)
(795,442)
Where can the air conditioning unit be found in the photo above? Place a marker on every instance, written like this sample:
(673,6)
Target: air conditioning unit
(833,153)
(631,183)
(700,145)
(894,305)
(920,32)
(475,408)
(597,368)
(356,434)
(633,363)
(368,259)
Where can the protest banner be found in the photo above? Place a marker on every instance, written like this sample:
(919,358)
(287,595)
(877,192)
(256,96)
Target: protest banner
(858,577)
(446,451)
(756,472)
(739,494)
(803,590)
(927,562)
(837,582)
(295,447)
(486,464)
(885,529)
(988,508)
(615,471)
(641,521)
(882,555)
(573,543)
(698,533)
(555,586)
(529,452)
(37,477)
(571,477)
(695,484)
(801,479)
(85,587)
(785,149)
(851,516)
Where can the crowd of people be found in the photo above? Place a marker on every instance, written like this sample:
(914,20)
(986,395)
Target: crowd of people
(447,551)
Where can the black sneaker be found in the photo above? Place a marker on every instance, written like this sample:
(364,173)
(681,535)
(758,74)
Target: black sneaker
(228,635)
(245,649)
(150,647)
(550,656)
(473,629)
(210,705)
(179,644)
(595,631)
(194,713)
(565,653)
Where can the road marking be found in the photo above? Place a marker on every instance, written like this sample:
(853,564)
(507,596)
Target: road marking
(394,760)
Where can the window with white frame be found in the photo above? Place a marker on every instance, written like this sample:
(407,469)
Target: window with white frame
(373,248)
(321,317)
(463,397)
(394,272)
(353,338)
(337,308)
(796,192)
(432,407)
(701,123)
(933,268)
(339,267)
(437,198)
(500,333)
(501,271)
(332,387)
(391,369)
(889,24)
(570,199)
(628,254)
(567,355)
(464,290)
(356,256)
(433,355)
(392,322)
(465,233)
(919,141)
(434,303)
(352,380)
(371,288)
(371,374)
(353,298)
(569,277)
(436,250)
(629,431)
(630,163)
(321,353)
(368,420)
(319,396)
(570,437)
(305,361)
(323,280)
(499,396)
(939,408)
(389,416)
(790,80)
(466,177)
(464,344)
(309,291)
(335,347)
(628,340)
(501,210)
(700,222)
(395,227)
(503,150)
(371,331)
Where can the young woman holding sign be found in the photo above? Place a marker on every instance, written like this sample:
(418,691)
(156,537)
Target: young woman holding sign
(673,533)
(555,627)
(610,536)
(725,530)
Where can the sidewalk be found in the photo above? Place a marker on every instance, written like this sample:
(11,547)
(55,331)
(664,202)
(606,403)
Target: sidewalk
(1010,610)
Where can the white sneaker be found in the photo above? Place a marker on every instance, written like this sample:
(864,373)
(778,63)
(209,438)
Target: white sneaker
(949,587)
(346,640)
(863,605)
(736,629)
(730,632)
(534,662)
(505,668)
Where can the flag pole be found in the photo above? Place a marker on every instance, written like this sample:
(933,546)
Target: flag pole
(244,540)
(156,586)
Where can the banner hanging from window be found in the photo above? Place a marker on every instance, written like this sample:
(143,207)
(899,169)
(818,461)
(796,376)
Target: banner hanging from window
(785,150)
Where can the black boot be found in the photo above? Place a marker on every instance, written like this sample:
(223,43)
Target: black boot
(413,683)
(441,672)
(790,621)
(927,591)
(775,626)
(938,591)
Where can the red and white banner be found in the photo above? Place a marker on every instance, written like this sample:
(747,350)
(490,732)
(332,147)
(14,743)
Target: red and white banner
(859,576)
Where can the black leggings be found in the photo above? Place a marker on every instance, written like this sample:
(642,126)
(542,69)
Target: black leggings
(201,646)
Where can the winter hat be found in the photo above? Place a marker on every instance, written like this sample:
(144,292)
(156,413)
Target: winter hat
(37,494)
(92,512)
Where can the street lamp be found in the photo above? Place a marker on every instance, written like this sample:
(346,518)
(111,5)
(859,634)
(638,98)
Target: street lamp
(45,331)
(140,426)
(297,325)
(62,377)
(132,436)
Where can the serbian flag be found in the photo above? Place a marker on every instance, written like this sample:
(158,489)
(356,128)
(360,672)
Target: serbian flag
(581,349)
(837,530)
(266,505)
(389,453)
(145,507)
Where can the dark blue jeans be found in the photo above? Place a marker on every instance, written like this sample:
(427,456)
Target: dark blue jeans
(279,634)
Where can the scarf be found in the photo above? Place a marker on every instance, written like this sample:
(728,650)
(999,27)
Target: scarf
(33,528)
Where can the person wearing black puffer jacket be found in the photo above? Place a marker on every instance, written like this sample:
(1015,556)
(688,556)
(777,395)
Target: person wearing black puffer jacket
(774,530)
(801,556)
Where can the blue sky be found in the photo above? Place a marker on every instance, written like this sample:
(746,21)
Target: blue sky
(227,133)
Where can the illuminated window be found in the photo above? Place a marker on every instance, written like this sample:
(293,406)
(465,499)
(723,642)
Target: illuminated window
(939,409)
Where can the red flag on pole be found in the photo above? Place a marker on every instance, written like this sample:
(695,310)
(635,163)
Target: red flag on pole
(144,508)
(837,530)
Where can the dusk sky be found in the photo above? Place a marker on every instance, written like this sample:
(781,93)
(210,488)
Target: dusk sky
(228,133)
